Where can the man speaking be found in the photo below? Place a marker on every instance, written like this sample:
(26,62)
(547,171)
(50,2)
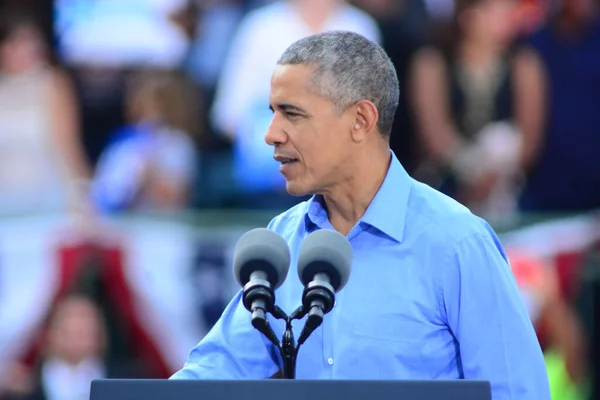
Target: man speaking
(431,294)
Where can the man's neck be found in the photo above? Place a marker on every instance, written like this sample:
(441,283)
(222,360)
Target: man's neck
(347,203)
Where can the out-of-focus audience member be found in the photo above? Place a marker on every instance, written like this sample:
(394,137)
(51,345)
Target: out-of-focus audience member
(217,23)
(563,339)
(151,163)
(74,350)
(587,302)
(403,25)
(477,103)
(43,166)
(241,106)
(530,15)
(563,161)
(440,10)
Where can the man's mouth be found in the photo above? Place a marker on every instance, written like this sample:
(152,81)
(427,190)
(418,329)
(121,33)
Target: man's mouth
(285,160)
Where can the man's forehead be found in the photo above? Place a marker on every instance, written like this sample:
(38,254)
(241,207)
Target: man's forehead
(291,80)
(292,74)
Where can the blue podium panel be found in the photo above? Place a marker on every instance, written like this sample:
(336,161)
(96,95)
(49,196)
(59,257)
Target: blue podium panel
(150,389)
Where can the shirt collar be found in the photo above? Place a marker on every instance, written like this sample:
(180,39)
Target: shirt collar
(387,211)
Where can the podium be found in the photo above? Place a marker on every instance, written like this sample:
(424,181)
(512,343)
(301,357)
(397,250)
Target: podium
(151,389)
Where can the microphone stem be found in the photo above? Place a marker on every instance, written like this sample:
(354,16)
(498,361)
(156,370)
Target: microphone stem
(259,275)
(314,319)
(289,353)
(259,310)
(262,325)
(298,313)
(278,313)
(323,277)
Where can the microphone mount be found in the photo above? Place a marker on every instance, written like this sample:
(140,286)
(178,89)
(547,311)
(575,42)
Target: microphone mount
(317,300)
(288,349)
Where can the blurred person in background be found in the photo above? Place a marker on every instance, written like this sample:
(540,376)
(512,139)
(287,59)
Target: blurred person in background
(403,25)
(74,349)
(531,15)
(215,28)
(477,100)
(101,42)
(241,107)
(563,167)
(556,322)
(440,10)
(150,164)
(43,167)
(587,303)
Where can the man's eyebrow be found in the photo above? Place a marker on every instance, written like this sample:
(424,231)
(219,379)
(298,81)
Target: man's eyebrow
(288,107)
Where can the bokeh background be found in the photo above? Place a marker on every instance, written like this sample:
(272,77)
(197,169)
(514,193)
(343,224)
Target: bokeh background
(132,158)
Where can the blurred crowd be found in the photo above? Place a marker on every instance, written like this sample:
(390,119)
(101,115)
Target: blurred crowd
(499,109)
(498,105)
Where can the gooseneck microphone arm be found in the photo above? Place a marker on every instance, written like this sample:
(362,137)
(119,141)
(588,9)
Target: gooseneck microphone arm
(259,299)
(288,348)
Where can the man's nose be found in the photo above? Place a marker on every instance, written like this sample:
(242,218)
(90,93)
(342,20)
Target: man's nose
(275,133)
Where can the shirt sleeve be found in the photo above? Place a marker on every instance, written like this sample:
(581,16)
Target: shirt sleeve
(488,318)
(232,349)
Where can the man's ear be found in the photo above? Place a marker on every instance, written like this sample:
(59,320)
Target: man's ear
(365,120)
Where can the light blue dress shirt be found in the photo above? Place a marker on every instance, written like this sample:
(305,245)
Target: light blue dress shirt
(431,296)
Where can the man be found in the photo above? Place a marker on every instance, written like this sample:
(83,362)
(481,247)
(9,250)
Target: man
(431,294)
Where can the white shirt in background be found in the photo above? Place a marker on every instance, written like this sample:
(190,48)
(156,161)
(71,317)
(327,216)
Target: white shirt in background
(63,381)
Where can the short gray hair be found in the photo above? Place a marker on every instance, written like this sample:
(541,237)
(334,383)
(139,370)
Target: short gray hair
(349,68)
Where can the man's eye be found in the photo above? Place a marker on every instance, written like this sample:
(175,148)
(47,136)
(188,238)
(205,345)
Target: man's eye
(292,114)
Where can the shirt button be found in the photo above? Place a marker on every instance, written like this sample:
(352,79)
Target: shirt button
(330,361)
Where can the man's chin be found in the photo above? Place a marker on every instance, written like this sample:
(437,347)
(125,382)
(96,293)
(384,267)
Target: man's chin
(296,190)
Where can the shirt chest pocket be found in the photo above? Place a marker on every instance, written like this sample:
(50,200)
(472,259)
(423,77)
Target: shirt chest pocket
(389,347)
(396,329)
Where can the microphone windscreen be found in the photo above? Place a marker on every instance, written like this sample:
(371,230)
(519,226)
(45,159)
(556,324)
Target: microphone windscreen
(325,251)
(261,249)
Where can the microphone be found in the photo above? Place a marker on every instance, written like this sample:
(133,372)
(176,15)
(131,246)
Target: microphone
(260,264)
(324,265)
